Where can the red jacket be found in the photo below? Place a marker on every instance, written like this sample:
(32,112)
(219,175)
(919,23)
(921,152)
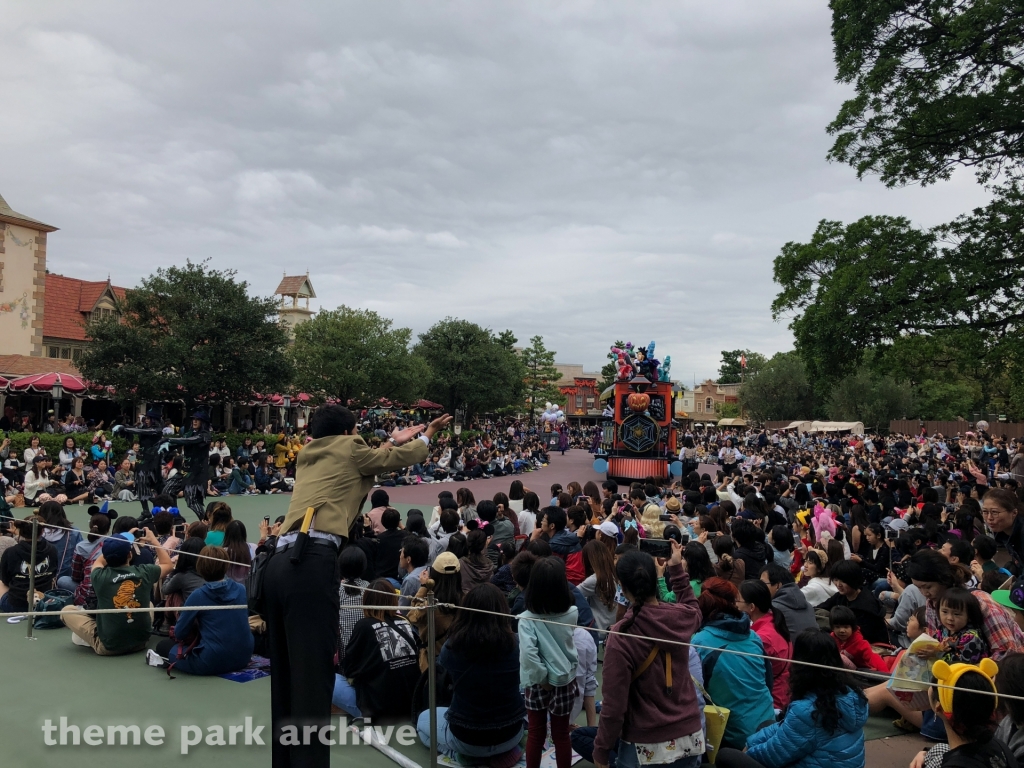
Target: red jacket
(780,652)
(860,652)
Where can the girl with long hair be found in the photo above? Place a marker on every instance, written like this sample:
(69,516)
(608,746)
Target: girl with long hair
(599,585)
(240,551)
(824,723)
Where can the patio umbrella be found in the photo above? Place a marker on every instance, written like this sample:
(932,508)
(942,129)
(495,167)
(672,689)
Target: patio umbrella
(427,405)
(42,383)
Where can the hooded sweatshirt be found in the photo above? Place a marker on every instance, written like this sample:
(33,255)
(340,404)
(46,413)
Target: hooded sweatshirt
(15,565)
(741,684)
(475,571)
(547,651)
(799,742)
(642,711)
(794,606)
(225,640)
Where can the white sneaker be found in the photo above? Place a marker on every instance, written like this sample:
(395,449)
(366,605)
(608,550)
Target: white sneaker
(79,641)
(154,659)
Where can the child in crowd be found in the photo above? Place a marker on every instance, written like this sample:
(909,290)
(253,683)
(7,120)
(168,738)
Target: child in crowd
(854,649)
(960,634)
(548,659)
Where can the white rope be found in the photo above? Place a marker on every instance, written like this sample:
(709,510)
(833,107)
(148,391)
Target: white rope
(182,609)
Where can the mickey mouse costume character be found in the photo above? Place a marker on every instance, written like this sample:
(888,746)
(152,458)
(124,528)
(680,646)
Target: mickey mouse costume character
(196,445)
(148,479)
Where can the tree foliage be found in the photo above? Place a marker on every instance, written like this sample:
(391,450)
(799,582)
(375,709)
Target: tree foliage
(874,400)
(189,333)
(356,354)
(731,372)
(937,84)
(540,383)
(470,367)
(780,391)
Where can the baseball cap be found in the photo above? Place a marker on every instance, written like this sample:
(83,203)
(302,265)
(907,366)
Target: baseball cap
(116,550)
(446,562)
(1013,597)
(897,524)
(608,528)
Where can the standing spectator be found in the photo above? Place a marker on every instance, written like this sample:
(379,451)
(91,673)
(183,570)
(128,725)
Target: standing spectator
(770,625)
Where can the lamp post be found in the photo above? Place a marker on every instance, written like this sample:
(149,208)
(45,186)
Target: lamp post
(57,392)
(287,404)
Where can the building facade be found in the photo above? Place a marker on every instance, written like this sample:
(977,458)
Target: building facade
(709,394)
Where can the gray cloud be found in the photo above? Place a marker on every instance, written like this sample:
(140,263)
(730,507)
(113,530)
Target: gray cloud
(585,171)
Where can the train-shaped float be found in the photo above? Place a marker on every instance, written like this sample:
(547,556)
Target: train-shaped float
(640,433)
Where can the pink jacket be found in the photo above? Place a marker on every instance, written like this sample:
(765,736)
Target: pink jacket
(779,650)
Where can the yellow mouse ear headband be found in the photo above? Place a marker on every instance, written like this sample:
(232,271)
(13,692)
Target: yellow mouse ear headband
(948,674)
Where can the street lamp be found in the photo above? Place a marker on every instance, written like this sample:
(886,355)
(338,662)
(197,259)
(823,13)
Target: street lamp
(287,401)
(57,392)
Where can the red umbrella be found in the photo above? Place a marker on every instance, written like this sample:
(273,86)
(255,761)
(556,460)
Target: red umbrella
(42,383)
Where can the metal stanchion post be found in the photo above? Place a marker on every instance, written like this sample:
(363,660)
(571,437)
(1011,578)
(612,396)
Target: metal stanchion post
(32,577)
(432,678)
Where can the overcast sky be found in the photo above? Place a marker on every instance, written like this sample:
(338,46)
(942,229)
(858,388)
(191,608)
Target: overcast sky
(584,171)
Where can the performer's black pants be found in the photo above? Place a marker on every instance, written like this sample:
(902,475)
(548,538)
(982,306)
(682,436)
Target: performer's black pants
(302,625)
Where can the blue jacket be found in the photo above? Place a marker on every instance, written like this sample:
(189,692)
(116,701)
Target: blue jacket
(740,683)
(800,742)
(564,543)
(225,640)
(547,652)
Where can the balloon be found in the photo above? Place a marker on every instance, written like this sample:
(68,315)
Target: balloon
(600,466)
(982,425)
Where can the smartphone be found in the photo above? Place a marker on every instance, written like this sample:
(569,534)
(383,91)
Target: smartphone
(891,534)
(757,486)
(656,547)
(665,518)
(266,519)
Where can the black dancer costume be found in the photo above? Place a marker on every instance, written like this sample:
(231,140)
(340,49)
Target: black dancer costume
(149,480)
(192,479)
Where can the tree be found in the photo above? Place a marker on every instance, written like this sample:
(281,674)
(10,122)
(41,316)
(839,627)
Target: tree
(873,400)
(541,376)
(872,282)
(937,84)
(189,333)
(356,354)
(610,369)
(780,391)
(727,410)
(731,372)
(470,367)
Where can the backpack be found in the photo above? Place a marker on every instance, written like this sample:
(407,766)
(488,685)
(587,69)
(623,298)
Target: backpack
(52,602)
(255,588)
(574,571)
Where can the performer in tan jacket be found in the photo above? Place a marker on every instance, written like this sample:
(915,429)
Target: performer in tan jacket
(333,474)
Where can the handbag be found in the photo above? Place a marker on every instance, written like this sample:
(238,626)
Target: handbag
(52,602)
(715,719)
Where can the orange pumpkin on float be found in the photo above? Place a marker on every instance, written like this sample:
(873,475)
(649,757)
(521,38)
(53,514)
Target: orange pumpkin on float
(638,402)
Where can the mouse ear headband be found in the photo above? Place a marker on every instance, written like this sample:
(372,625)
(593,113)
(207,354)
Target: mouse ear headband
(948,674)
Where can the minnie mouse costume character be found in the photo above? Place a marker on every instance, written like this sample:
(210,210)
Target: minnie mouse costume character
(196,446)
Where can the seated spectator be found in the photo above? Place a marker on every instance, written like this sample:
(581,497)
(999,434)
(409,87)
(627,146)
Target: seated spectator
(16,565)
(119,583)
(856,652)
(787,598)
(352,564)
(218,514)
(484,721)
(599,586)
(444,581)
(56,532)
(477,568)
(240,551)
(76,484)
(502,578)
(80,580)
(380,667)
(848,578)
(184,579)
(209,642)
(124,482)
(740,683)
(756,601)
(241,482)
(412,560)
(389,547)
(101,482)
(824,723)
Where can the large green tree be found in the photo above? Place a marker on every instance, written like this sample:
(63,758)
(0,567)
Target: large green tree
(471,367)
(732,372)
(540,383)
(937,84)
(869,398)
(356,354)
(780,391)
(189,333)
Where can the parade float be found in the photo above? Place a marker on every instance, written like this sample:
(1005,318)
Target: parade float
(640,434)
